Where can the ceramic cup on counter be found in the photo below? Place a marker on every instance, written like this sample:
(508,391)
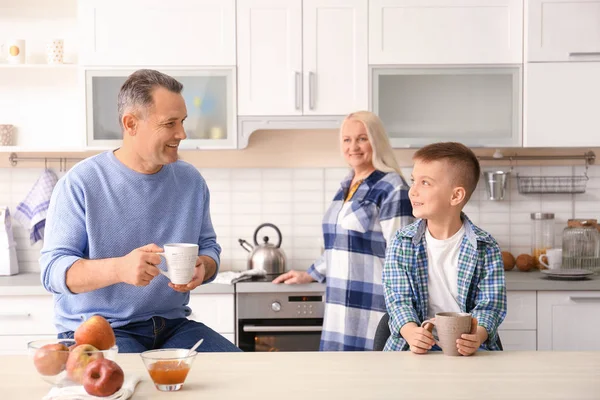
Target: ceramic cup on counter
(181,261)
(13,51)
(553,258)
(449,327)
(6,134)
(55,51)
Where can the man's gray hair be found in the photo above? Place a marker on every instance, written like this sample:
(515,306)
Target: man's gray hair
(136,92)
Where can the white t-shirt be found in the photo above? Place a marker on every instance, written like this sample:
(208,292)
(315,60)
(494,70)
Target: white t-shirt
(442,260)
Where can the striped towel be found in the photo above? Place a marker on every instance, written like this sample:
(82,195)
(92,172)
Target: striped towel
(31,212)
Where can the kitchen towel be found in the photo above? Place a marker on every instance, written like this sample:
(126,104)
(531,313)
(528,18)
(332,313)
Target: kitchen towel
(31,212)
(79,393)
(231,277)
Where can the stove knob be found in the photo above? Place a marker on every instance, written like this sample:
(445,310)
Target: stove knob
(276,306)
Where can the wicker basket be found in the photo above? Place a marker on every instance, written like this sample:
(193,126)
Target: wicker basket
(552,184)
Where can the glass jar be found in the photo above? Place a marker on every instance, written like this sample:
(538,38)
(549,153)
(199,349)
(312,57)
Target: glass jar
(542,235)
(581,245)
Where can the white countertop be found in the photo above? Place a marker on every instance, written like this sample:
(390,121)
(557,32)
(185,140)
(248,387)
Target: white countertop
(353,375)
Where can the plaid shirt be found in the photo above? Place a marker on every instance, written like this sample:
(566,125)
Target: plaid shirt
(481,286)
(356,234)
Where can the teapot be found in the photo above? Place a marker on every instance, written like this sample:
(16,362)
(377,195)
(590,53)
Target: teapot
(266,255)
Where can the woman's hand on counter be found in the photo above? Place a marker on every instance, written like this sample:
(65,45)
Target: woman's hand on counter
(294,277)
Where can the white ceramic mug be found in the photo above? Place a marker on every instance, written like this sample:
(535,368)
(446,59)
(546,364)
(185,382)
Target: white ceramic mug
(14,51)
(181,261)
(554,257)
(55,51)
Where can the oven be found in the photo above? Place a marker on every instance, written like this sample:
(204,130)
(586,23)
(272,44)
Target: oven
(279,321)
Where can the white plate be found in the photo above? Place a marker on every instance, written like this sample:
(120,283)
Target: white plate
(567,274)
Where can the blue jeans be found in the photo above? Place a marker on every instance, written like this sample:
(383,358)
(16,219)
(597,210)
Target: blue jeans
(161,333)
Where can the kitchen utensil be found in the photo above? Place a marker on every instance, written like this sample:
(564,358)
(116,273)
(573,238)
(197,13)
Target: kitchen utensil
(581,245)
(553,258)
(266,255)
(168,368)
(542,235)
(567,274)
(495,183)
(181,261)
(14,51)
(6,134)
(449,327)
(194,347)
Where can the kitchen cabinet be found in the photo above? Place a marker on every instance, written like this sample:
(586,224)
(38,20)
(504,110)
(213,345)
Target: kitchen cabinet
(215,311)
(445,31)
(23,319)
(209,95)
(563,30)
(518,330)
(568,321)
(157,32)
(478,106)
(302,57)
(561,105)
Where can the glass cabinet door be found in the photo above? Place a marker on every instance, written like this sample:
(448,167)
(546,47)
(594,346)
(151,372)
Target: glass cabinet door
(209,98)
(478,106)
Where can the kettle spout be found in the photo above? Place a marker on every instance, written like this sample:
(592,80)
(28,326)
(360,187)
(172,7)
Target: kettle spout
(245,245)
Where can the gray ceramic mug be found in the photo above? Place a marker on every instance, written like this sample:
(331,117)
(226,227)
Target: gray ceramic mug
(449,326)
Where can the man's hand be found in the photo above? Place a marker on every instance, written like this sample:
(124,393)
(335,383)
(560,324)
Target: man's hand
(419,339)
(294,277)
(469,343)
(200,275)
(138,268)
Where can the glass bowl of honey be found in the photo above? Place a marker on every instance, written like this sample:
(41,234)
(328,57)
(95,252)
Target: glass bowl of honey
(168,368)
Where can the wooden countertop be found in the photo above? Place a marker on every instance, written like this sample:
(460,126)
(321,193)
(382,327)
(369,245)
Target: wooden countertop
(370,375)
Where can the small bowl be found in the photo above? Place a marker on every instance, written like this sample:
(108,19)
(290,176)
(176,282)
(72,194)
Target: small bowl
(51,364)
(168,368)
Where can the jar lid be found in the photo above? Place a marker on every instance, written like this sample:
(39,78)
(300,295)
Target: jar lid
(542,215)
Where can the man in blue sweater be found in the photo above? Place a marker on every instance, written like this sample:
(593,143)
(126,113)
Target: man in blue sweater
(108,217)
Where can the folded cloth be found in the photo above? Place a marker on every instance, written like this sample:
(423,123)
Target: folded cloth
(231,277)
(79,393)
(31,212)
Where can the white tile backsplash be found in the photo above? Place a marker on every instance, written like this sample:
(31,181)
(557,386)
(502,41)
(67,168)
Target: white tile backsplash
(296,199)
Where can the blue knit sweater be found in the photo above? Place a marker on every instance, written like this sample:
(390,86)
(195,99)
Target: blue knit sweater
(102,209)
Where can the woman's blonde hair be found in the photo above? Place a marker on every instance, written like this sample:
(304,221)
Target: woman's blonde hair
(383,155)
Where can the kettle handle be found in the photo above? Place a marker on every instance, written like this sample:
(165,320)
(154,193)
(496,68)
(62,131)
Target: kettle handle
(271,226)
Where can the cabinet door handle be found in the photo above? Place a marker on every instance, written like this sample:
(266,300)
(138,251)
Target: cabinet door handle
(303,328)
(298,83)
(311,90)
(584,298)
(584,53)
(15,315)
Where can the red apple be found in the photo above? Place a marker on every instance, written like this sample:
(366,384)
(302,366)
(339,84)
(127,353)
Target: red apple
(51,359)
(102,378)
(78,360)
(96,331)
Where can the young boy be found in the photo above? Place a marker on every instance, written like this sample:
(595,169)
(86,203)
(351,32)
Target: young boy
(443,262)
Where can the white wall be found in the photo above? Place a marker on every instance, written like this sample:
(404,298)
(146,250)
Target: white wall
(295,199)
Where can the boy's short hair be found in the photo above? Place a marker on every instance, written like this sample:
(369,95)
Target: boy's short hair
(462,160)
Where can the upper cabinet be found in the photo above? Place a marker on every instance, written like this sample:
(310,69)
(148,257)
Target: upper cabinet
(302,57)
(157,32)
(561,104)
(564,30)
(445,31)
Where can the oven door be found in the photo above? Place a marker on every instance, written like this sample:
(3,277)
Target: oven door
(280,334)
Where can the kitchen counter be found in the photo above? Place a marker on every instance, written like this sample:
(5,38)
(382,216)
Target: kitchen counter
(353,375)
(535,280)
(29,284)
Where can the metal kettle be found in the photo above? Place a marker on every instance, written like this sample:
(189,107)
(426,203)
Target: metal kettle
(266,255)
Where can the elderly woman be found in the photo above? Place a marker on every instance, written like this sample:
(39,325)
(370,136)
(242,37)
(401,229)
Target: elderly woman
(367,210)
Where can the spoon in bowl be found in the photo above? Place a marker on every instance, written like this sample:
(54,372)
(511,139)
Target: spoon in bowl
(194,347)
